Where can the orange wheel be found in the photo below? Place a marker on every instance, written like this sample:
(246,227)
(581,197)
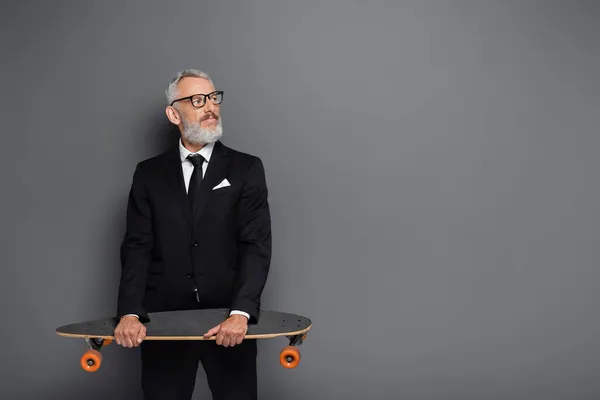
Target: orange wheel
(107,342)
(304,337)
(289,357)
(91,360)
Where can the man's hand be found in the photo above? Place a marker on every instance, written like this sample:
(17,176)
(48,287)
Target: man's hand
(130,332)
(230,332)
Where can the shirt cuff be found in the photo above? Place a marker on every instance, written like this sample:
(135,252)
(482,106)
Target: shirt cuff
(238,312)
(132,315)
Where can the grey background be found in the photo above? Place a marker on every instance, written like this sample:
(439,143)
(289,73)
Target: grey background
(433,177)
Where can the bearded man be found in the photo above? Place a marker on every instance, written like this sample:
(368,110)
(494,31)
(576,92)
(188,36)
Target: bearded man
(198,236)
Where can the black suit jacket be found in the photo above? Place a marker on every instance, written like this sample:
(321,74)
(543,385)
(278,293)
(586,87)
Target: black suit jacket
(223,252)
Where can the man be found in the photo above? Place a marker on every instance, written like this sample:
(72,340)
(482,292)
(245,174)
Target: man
(198,236)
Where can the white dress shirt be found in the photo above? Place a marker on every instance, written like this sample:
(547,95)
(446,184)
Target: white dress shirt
(187,168)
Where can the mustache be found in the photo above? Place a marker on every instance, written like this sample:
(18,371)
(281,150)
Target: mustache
(210,115)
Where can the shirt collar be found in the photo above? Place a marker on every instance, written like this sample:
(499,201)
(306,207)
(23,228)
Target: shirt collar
(205,151)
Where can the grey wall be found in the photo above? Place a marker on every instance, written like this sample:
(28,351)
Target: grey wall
(433,172)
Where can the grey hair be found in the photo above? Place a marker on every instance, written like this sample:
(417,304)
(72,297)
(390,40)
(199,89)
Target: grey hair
(171,90)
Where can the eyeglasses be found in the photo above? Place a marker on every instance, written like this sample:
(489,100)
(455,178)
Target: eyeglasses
(199,100)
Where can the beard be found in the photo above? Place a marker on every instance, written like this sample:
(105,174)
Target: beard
(194,133)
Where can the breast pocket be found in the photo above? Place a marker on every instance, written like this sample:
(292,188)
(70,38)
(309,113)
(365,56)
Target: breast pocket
(226,196)
(226,189)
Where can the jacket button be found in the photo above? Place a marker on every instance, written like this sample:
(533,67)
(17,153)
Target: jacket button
(195,244)
(190,276)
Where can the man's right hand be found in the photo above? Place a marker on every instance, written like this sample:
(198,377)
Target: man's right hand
(130,332)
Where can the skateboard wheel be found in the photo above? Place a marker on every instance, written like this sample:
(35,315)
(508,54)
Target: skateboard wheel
(289,357)
(304,337)
(106,342)
(91,360)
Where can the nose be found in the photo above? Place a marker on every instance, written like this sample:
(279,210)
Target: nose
(209,106)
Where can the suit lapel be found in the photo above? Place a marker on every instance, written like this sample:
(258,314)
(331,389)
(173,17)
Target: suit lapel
(177,185)
(215,173)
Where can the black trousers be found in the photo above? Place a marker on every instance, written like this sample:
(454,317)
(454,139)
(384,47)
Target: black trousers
(169,369)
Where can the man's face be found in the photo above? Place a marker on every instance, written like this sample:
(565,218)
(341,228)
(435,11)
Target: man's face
(197,125)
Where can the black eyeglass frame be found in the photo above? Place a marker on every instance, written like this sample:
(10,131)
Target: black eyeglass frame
(204,97)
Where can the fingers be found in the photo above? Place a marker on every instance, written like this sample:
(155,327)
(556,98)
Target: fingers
(141,334)
(212,332)
(220,337)
(229,337)
(225,340)
(119,338)
(130,333)
(129,336)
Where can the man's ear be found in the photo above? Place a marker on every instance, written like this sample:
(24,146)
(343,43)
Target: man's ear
(173,115)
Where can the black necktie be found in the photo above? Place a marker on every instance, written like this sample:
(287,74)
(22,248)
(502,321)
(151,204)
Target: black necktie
(196,179)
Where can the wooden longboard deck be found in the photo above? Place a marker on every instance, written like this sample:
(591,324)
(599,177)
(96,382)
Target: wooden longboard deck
(192,324)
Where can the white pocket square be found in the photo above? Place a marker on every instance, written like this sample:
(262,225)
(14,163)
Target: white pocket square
(223,184)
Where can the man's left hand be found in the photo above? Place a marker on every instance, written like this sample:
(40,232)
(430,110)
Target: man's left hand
(230,332)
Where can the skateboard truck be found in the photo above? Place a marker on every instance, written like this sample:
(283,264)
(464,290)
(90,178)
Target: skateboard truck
(91,359)
(290,355)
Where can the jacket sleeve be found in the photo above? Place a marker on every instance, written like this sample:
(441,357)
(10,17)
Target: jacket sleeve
(136,250)
(254,241)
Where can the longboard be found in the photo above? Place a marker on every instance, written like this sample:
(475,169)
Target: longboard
(191,325)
